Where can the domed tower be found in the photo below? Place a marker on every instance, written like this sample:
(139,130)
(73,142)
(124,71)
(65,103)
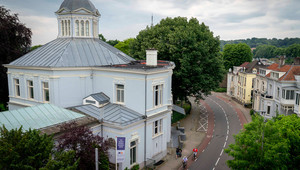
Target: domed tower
(78,18)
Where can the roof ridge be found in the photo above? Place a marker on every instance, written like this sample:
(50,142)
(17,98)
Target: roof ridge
(287,72)
(63,51)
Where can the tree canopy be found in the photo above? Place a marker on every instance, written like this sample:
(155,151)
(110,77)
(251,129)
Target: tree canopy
(193,49)
(293,51)
(32,150)
(236,54)
(23,150)
(267,145)
(15,40)
(265,51)
(82,136)
(255,42)
(124,45)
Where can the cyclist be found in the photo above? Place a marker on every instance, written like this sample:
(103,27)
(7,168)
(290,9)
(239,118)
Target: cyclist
(195,150)
(184,162)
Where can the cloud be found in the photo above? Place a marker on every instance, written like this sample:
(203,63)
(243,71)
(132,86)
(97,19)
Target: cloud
(231,19)
(44,29)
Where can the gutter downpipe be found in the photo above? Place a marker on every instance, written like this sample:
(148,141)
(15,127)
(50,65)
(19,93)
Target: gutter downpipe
(145,159)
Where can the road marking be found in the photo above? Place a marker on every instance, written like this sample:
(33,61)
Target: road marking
(221,152)
(227,122)
(217,161)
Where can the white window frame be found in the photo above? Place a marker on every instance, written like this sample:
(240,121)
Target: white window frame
(297,99)
(17,87)
(45,89)
(133,150)
(158,95)
(120,91)
(157,127)
(30,89)
(278,92)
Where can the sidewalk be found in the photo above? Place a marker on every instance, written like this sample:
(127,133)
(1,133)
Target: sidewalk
(196,139)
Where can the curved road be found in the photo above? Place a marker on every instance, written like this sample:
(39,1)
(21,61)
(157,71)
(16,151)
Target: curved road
(226,124)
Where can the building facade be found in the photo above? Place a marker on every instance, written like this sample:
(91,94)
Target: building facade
(240,81)
(74,69)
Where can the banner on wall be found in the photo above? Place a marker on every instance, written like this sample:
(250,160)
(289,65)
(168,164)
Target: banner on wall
(120,149)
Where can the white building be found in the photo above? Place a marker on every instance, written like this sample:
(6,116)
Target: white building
(131,99)
(277,90)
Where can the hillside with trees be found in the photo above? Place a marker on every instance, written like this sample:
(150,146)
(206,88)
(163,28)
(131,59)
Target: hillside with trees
(255,42)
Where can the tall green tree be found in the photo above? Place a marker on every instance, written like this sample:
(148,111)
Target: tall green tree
(267,145)
(236,54)
(24,150)
(293,51)
(31,150)
(265,51)
(191,46)
(124,45)
(15,40)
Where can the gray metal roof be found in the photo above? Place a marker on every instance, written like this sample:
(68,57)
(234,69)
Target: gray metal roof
(73,52)
(36,117)
(178,109)
(113,113)
(76,4)
(100,97)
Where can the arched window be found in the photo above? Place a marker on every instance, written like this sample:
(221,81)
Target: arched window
(69,30)
(62,28)
(82,28)
(87,27)
(77,28)
(66,28)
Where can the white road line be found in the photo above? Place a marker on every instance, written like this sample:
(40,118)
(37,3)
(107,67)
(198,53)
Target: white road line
(227,131)
(217,161)
(221,152)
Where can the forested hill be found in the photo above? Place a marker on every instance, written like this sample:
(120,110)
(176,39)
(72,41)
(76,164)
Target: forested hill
(254,42)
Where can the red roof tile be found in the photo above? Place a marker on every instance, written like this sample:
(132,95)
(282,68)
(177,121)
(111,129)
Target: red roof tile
(273,66)
(290,75)
(244,64)
(284,68)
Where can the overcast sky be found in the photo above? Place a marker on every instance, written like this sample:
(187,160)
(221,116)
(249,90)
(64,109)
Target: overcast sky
(122,19)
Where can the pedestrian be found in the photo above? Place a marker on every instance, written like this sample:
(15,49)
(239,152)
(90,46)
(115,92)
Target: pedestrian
(195,151)
(177,152)
(184,162)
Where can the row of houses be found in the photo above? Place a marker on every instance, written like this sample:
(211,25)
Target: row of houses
(271,89)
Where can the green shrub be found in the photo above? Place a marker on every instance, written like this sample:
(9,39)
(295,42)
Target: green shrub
(251,112)
(2,107)
(221,90)
(176,117)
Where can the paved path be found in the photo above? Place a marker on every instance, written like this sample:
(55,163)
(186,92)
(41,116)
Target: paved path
(226,123)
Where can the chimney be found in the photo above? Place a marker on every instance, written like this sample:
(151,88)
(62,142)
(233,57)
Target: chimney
(297,60)
(281,61)
(151,57)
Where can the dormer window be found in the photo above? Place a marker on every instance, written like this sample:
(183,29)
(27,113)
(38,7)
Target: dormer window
(275,75)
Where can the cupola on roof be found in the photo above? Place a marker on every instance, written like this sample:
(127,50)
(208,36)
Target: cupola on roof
(73,5)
